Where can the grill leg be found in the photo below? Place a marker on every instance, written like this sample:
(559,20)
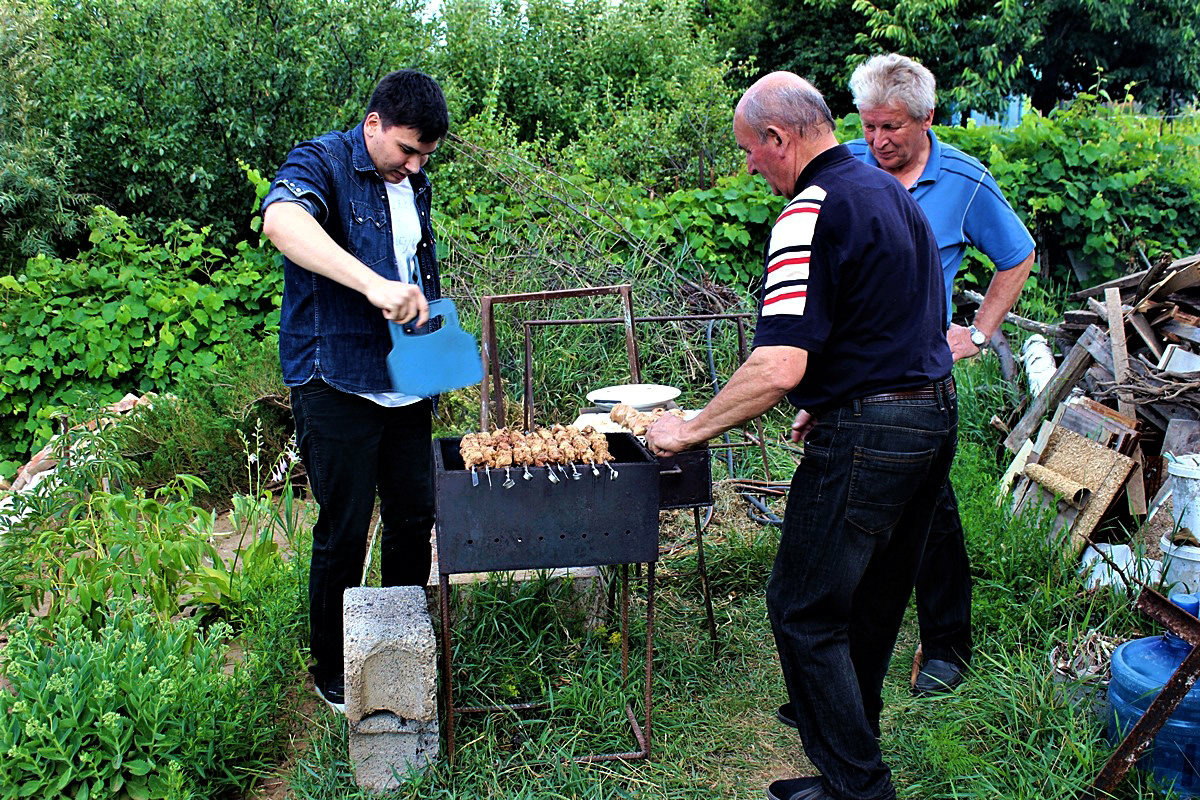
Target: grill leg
(649,652)
(447,677)
(624,622)
(708,609)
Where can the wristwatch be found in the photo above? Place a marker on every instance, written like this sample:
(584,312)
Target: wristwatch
(978,337)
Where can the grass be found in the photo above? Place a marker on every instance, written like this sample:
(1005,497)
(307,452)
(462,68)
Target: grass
(1011,732)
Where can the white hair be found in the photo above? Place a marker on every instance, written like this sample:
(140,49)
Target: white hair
(883,80)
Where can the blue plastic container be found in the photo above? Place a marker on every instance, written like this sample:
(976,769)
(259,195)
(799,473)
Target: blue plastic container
(1140,668)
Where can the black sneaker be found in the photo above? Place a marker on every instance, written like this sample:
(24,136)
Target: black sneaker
(937,677)
(807,788)
(787,715)
(333,692)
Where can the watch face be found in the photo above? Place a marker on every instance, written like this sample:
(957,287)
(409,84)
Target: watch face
(977,337)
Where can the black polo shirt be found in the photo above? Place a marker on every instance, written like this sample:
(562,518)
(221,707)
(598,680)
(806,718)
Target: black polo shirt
(853,277)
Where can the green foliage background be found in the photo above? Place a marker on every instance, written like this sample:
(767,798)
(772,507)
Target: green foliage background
(590,144)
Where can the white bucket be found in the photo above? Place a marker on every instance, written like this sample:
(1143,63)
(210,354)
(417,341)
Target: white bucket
(1185,491)
(1181,566)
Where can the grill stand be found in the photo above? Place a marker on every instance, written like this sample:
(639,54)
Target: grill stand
(641,733)
(629,321)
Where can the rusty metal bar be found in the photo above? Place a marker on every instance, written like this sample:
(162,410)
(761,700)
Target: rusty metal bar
(447,676)
(491,359)
(624,622)
(1169,615)
(641,732)
(708,608)
(649,655)
(1139,737)
(630,340)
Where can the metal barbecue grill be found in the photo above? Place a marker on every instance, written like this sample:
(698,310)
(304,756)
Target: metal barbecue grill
(548,517)
(603,516)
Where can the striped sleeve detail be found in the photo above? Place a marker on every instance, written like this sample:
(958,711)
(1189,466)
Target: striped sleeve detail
(786,287)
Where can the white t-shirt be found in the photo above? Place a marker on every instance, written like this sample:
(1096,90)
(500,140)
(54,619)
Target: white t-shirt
(406,236)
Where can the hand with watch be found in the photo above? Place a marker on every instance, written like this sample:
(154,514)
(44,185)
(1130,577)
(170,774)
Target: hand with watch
(966,342)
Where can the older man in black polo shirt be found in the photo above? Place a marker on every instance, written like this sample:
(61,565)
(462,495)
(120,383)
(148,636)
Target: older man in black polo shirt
(851,331)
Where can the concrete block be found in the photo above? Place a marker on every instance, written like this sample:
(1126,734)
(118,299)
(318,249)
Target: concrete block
(391,653)
(384,748)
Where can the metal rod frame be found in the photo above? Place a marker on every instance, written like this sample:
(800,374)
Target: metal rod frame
(630,323)
(641,733)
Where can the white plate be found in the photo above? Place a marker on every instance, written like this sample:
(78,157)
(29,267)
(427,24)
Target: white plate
(642,396)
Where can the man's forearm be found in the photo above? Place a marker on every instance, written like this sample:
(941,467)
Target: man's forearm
(755,388)
(1001,295)
(301,238)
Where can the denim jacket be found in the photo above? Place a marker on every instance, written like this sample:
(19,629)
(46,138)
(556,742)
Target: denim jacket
(327,330)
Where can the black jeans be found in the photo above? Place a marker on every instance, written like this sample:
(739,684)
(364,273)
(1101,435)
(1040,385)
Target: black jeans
(944,586)
(857,516)
(353,448)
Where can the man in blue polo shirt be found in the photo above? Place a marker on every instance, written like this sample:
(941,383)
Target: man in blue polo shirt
(895,99)
(851,329)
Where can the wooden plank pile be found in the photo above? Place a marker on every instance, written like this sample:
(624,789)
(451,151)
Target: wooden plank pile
(1124,394)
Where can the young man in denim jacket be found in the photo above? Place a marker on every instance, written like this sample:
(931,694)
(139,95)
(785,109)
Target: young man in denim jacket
(350,211)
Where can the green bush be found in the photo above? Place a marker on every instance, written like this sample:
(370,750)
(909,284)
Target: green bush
(201,428)
(160,100)
(1081,175)
(126,315)
(635,90)
(142,708)
(39,203)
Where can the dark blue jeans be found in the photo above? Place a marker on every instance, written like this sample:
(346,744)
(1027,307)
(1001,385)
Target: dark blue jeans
(943,589)
(857,516)
(352,449)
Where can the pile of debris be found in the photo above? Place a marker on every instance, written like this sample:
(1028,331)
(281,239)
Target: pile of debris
(1135,344)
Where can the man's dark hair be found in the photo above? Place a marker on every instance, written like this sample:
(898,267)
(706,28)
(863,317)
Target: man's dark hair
(412,99)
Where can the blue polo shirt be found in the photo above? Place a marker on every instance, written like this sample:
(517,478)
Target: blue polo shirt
(964,207)
(852,276)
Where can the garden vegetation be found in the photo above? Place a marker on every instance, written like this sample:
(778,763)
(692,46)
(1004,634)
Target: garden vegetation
(590,145)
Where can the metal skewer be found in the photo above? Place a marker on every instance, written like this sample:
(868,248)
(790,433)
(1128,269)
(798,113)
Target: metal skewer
(474,476)
(550,474)
(575,472)
(527,475)
(595,470)
(488,470)
(508,481)
(612,470)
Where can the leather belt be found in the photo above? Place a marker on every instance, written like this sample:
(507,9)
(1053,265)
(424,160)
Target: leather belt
(927,392)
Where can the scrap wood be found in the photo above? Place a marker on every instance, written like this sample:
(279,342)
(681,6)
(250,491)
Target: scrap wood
(1183,274)
(1070,491)
(1144,386)
(1175,329)
(1068,374)
(1136,491)
(1123,282)
(1078,459)
(1049,331)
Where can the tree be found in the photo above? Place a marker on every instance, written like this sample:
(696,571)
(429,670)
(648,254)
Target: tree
(1152,44)
(984,51)
(162,98)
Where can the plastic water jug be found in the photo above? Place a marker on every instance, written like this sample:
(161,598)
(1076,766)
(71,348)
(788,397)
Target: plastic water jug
(1139,669)
(425,364)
